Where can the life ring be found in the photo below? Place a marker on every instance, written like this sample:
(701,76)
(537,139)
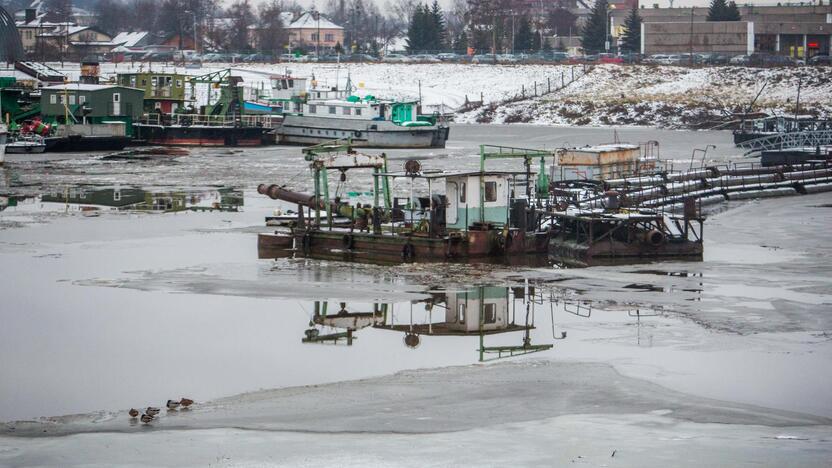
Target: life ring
(357,133)
(348,241)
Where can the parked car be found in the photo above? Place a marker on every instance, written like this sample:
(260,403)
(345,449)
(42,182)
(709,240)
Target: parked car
(451,57)
(359,58)
(609,58)
(739,60)
(484,58)
(820,60)
(631,57)
(396,58)
(771,60)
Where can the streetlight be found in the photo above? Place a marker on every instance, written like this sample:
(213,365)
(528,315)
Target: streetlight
(610,8)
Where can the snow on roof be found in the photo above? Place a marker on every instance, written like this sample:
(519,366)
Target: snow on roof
(606,148)
(308,21)
(82,87)
(128,39)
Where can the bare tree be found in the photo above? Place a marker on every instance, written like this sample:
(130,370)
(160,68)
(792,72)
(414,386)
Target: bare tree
(271,35)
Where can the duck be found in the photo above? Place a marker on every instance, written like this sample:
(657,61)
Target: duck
(152,411)
(146,418)
(133,412)
(172,405)
(186,402)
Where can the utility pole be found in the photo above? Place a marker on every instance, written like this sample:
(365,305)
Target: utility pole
(690,40)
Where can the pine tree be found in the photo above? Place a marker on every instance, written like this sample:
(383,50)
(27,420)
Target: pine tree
(716,12)
(523,38)
(439,37)
(631,42)
(594,33)
(732,13)
(416,30)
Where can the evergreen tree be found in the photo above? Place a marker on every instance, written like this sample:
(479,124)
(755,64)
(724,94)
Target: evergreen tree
(416,30)
(631,42)
(594,33)
(523,39)
(536,41)
(732,13)
(440,30)
(461,43)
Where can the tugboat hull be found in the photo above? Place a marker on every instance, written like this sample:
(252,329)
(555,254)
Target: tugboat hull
(200,135)
(73,143)
(305,130)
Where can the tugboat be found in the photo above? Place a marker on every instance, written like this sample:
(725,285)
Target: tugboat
(368,122)
(26,143)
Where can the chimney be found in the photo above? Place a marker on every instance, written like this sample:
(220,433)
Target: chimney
(31,15)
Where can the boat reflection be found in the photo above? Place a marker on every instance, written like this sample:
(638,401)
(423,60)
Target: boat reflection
(92,198)
(477,312)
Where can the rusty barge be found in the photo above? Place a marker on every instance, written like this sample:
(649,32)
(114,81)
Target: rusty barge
(508,216)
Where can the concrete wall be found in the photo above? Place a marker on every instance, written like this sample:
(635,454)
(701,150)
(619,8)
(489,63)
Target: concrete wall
(730,37)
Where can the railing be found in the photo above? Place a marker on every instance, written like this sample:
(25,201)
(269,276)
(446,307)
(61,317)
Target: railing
(808,139)
(187,120)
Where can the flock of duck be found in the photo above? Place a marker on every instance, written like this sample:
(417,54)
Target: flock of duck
(151,411)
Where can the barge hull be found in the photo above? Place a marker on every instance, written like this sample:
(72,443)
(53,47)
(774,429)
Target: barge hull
(301,130)
(200,136)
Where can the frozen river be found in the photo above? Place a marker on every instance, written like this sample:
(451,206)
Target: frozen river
(109,310)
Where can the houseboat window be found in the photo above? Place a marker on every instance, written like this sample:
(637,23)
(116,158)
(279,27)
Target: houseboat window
(82,99)
(62,98)
(178,83)
(71,99)
(489,313)
(153,81)
(53,99)
(144,82)
(358,112)
(291,84)
(157,105)
(347,111)
(133,81)
(168,80)
(462,191)
(460,313)
(313,109)
(331,109)
(490,191)
(116,97)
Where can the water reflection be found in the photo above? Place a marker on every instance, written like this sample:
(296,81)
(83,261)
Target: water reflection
(92,198)
(477,312)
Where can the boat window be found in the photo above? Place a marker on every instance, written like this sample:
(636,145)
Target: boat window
(153,81)
(144,82)
(291,83)
(489,312)
(462,192)
(178,83)
(82,99)
(71,99)
(53,99)
(313,109)
(490,191)
(347,111)
(168,81)
(460,313)
(331,109)
(358,112)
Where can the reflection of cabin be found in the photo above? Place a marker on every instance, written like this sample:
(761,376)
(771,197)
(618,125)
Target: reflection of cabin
(600,162)
(477,197)
(163,92)
(114,197)
(486,307)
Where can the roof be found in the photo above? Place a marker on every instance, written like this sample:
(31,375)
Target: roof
(445,175)
(85,87)
(308,21)
(129,39)
(606,148)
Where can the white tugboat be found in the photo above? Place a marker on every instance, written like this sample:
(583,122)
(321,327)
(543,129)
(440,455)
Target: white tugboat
(370,122)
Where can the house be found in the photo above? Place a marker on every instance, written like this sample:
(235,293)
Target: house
(163,92)
(74,41)
(312,30)
(89,103)
(130,40)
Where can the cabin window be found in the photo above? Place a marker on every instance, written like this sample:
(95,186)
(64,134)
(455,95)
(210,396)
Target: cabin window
(460,313)
(168,81)
(358,112)
(53,99)
(82,99)
(291,84)
(491,191)
(331,109)
(153,81)
(462,189)
(313,109)
(71,99)
(144,82)
(116,97)
(178,83)
(157,105)
(347,111)
(489,313)
(62,98)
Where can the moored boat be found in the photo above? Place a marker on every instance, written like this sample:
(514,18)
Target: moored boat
(26,144)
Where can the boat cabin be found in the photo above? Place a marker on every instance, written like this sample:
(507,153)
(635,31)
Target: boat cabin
(477,197)
(163,92)
(404,113)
